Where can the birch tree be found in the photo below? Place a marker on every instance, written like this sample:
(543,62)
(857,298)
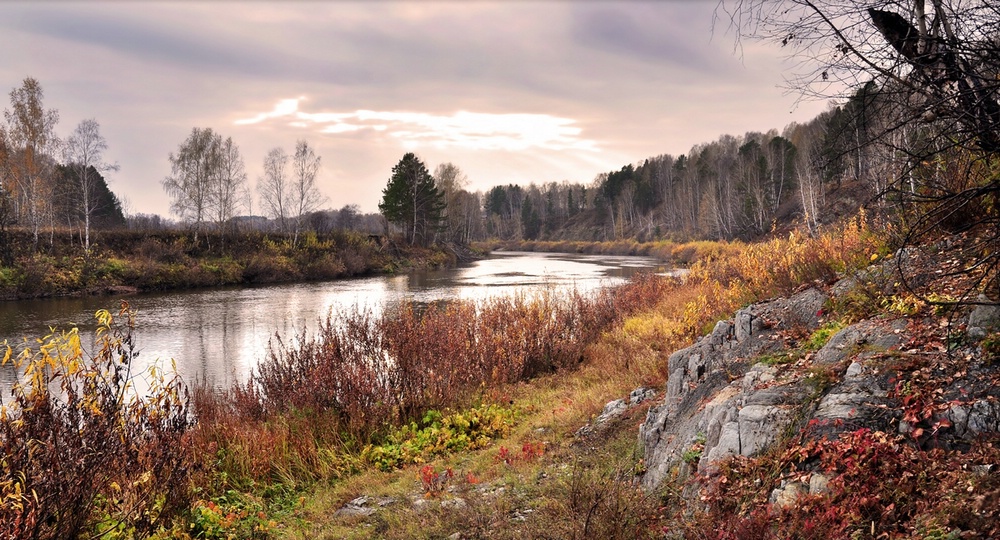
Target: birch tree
(84,155)
(451,181)
(229,188)
(274,188)
(31,141)
(306,196)
(194,169)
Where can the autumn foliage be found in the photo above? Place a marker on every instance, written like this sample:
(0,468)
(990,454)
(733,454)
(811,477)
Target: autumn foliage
(80,448)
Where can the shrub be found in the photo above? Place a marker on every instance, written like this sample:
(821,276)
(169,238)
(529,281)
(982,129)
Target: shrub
(314,397)
(928,490)
(80,448)
(263,268)
(440,434)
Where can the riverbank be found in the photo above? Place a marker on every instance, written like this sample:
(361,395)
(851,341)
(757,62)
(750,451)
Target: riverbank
(520,418)
(889,386)
(121,261)
(679,254)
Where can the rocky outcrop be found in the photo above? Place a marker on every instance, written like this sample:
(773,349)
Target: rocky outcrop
(716,400)
(615,409)
(721,400)
(985,318)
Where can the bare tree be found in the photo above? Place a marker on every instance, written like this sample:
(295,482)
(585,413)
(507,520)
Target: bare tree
(306,197)
(194,169)
(942,59)
(274,188)
(936,63)
(84,154)
(31,140)
(229,188)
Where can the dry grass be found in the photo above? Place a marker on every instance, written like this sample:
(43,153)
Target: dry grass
(290,445)
(583,488)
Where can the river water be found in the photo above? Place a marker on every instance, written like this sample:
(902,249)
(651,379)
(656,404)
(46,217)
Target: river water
(218,335)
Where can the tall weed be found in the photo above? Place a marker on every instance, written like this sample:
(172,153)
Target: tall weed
(362,372)
(80,448)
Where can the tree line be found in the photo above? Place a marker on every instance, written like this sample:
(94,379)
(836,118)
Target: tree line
(208,184)
(915,135)
(921,123)
(734,187)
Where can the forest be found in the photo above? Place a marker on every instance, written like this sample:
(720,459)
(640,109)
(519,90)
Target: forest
(736,187)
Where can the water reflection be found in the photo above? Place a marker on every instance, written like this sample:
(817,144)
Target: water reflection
(219,335)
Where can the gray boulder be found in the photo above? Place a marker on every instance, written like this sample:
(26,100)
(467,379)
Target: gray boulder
(713,398)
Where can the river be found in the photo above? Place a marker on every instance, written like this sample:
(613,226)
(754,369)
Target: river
(218,335)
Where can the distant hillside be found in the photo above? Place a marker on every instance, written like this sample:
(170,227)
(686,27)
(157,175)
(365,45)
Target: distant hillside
(736,187)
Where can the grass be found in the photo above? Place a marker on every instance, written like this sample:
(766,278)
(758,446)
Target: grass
(558,495)
(386,406)
(173,260)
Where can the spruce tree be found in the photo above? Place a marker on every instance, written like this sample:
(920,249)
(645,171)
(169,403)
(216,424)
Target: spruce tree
(411,201)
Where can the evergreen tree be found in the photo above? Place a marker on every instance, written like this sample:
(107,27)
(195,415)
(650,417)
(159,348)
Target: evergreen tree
(411,201)
(105,207)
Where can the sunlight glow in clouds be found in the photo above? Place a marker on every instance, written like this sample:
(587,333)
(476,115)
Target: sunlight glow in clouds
(463,129)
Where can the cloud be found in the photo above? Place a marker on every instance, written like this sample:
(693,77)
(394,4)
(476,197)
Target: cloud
(671,35)
(544,91)
(463,129)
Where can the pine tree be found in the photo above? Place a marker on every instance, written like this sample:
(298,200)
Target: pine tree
(411,201)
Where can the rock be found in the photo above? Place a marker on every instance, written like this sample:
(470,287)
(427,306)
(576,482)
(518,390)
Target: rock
(840,346)
(840,405)
(871,334)
(858,400)
(420,504)
(843,286)
(709,389)
(819,484)
(356,507)
(975,418)
(720,401)
(457,503)
(521,515)
(982,470)
(854,370)
(787,495)
(760,425)
(639,395)
(985,318)
(804,309)
(727,443)
(612,409)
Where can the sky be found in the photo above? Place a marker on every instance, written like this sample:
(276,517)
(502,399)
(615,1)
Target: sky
(510,92)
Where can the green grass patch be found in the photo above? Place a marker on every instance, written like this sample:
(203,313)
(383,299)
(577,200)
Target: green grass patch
(822,335)
(440,433)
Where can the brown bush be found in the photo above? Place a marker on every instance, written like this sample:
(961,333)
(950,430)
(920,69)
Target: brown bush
(363,371)
(78,446)
(268,269)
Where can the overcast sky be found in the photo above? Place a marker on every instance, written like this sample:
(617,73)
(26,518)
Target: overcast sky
(510,92)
